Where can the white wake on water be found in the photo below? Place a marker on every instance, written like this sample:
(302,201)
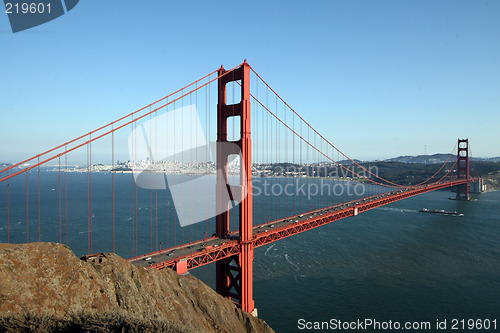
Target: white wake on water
(401,210)
(269,248)
(287,257)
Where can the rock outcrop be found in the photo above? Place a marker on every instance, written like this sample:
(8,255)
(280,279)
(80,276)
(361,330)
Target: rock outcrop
(45,287)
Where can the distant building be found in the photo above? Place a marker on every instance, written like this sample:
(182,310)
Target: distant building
(96,258)
(477,187)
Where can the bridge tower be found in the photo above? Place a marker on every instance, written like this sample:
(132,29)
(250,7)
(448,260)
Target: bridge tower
(463,168)
(234,275)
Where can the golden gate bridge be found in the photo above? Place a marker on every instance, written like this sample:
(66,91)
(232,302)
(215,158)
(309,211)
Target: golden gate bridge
(253,130)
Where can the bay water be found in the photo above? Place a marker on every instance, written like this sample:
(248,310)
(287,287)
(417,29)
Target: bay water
(390,264)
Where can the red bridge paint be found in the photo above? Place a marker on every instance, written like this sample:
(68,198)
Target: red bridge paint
(233,252)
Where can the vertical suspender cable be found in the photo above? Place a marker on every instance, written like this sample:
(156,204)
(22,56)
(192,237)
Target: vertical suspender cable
(276,215)
(88,201)
(90,194)
(269,151)
(151,213)
(151,191)
(27,212)
(300,163)
(60,203)
(294,167)
(285,155)
(66,190)
(196,140)
(132,164)
(190,161)
(166,190)
(8,208)
(182,144)
(38,181)
(113,184)
(207,122)
(256,132)
(136,197)
(156,171)
(265,152)
(173,137)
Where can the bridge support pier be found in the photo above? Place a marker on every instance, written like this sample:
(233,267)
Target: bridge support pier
(234,275)
(463,169)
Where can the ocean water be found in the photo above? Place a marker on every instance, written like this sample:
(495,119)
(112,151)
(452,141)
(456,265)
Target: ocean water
(388,264)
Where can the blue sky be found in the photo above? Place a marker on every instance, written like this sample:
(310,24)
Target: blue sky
(378,78)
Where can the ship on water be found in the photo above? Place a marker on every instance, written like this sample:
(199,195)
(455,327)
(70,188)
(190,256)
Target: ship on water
(440,212)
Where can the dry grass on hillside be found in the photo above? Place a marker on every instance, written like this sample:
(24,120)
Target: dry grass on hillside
(104,323)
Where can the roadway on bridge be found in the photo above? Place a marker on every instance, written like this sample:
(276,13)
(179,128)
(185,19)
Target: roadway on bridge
(179,252)
(206,251)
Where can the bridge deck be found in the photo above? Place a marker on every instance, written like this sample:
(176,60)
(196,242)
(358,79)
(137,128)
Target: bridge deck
(207,251)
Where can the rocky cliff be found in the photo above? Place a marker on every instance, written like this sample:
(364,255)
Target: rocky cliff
(44,287)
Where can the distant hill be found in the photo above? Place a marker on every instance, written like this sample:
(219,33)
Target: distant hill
(436,158)
(489,159)
(427,159)
(348,162)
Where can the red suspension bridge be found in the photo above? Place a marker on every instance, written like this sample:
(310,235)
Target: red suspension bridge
(183,195)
